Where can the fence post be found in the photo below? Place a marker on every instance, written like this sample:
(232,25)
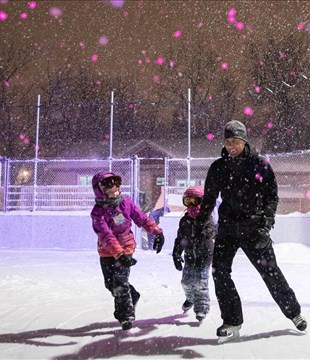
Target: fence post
(111,126)
(36,155)
(6,185)
(135,197)
(166,172)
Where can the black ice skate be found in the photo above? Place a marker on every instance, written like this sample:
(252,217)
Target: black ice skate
(300,323)
(227,333)
(127,325)
(200,317)
(186,306)
(135,299)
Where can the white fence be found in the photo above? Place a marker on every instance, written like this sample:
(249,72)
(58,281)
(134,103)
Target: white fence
(65,184)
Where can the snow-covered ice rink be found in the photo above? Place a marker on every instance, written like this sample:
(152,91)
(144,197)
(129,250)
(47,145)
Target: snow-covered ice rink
(54,306)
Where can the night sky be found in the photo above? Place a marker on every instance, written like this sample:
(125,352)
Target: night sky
(130,37)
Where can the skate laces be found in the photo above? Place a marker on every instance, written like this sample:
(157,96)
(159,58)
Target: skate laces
(300,322)
(297,320)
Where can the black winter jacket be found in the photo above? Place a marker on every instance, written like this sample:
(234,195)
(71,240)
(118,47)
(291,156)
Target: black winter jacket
(198,251)
(247,186)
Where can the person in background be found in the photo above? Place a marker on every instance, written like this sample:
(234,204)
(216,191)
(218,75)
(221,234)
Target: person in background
(197,254)
(112,218)
(155,216)
(249,195)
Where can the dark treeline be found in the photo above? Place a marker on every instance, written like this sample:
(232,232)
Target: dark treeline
(76,102)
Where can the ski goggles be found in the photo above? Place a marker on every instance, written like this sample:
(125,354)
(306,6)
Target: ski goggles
(191,201)
(109,182)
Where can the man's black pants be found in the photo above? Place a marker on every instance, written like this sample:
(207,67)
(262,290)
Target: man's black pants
(228,241)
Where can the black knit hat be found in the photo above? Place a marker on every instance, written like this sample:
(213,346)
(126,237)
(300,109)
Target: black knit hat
(236,130)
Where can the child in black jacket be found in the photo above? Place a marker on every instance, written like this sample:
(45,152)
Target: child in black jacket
(197,255)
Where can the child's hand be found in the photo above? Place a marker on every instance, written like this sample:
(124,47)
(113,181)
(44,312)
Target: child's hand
(158,242)
(127,260)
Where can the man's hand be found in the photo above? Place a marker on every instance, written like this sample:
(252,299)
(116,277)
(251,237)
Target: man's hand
(263,238)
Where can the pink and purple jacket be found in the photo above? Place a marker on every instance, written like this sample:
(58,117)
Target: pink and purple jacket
(113,227)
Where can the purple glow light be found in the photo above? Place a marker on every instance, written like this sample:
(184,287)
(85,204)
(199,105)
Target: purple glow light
(240,25)
(177,33)
(117,3)
(32,4)
(23,15)
(103,40)
(210,136)
(257,89)
(94,57)
(56,12)
(3,16)
(248,111)
(232,12)
(300,26)
(224,66)
(270,125)
(160,61)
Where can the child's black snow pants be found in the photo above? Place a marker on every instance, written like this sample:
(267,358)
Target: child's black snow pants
(116,280)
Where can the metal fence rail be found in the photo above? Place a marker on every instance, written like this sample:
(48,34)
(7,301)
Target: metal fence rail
(65,184)
(57,184)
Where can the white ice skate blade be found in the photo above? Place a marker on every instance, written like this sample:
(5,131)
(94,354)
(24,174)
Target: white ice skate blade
(224,339)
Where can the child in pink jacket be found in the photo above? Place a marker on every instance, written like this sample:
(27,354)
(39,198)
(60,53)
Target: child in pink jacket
(112,218)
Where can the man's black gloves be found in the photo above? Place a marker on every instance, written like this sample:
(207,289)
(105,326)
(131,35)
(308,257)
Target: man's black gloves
(263,238)
(158,242)
(127,260)
(178,262)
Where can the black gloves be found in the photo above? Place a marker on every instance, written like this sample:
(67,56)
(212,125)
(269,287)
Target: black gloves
(263,238)
(158,242)
(127,260)
(263,225)
(178,262)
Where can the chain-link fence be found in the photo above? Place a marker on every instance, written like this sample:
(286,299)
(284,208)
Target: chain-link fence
(66,184)
(56,184)
(292,173)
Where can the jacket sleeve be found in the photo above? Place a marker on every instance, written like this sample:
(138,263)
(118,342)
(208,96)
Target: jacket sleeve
(143,220)
(211,193)
(270,193)
(179,244)
(106,239)
(207,238)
